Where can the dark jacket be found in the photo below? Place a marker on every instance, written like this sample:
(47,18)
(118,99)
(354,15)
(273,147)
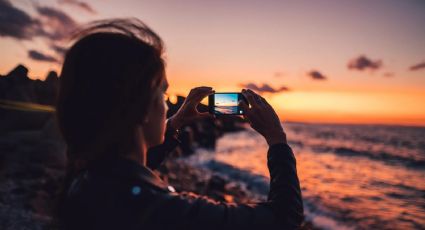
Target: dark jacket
(122,194)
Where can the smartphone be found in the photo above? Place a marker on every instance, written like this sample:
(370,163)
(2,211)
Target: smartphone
(225,103)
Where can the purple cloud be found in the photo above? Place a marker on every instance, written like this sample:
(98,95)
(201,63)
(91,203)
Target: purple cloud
(316,75)
(362,63)
(58,49)
(51,24)
(79,4)
(265,88)
(38,56)
(16,23)
(57,23)
(417,66)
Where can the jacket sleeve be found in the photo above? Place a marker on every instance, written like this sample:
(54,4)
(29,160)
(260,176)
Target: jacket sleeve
(282,210)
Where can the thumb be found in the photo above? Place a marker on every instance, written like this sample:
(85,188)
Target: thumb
(245,110)
(244,106)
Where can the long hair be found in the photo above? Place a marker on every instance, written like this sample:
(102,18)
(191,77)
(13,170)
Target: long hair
(106,86)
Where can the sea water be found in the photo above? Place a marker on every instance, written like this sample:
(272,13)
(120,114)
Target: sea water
(351,176)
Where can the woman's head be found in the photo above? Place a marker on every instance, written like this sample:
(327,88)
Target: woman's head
(112,84)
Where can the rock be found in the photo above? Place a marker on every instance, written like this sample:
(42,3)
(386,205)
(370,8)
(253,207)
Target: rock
(217,183)
(17,86)
(47,91)
(52,150)
(13,120)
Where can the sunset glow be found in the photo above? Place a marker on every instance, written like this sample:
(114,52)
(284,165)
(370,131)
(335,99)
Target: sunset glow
(324,61)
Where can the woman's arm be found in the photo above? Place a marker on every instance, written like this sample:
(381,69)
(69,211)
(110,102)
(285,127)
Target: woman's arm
(282,210)
(284,206)
(285,192)
(187,113)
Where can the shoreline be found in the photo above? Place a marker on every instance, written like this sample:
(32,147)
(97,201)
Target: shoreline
(187,178)
(31,176)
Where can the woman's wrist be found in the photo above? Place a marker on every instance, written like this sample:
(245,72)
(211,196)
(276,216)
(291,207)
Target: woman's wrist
(171,130)
(277,138)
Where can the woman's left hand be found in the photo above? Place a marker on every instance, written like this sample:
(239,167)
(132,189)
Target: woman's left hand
(188,112)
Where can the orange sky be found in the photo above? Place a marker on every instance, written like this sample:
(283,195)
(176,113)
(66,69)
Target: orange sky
(224,44)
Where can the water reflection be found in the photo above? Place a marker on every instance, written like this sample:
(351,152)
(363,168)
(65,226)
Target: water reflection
(344,173)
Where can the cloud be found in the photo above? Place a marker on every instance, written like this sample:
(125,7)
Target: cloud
(362,63)
(417,66)
(316,75)
(51,24)
(57,24)
(58,49)
(16,23)
(265,88)
(38,56)
(79,4)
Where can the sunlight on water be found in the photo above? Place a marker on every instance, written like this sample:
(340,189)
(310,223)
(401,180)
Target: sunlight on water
(354,176)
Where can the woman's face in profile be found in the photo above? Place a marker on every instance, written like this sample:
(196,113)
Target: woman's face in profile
(154,127)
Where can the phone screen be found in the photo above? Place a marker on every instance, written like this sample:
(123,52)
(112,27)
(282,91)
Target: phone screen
(226,104)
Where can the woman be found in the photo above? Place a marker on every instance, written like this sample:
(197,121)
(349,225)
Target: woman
(111,111)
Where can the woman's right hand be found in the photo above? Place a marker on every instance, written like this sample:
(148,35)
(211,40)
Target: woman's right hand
(262,117)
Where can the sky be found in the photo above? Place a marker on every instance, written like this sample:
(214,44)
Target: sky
(226,100)
(327,61)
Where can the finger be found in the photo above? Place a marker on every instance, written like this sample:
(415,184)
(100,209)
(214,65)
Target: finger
(206,115)
(202,91)
(201,95)
(256,96)
(197,94)
(243,106)
(202,87)
(197,89)
(250,98)
(257,101)
(253,93)
(246,110)
(265,102)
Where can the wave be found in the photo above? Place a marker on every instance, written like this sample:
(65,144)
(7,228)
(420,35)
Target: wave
(256,183)
(377,156)
(257,186)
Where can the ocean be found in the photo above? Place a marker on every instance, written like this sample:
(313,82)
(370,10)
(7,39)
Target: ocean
(352,176)
(226,109)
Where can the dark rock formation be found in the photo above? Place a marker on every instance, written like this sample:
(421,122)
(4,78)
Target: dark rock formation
(17,86)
